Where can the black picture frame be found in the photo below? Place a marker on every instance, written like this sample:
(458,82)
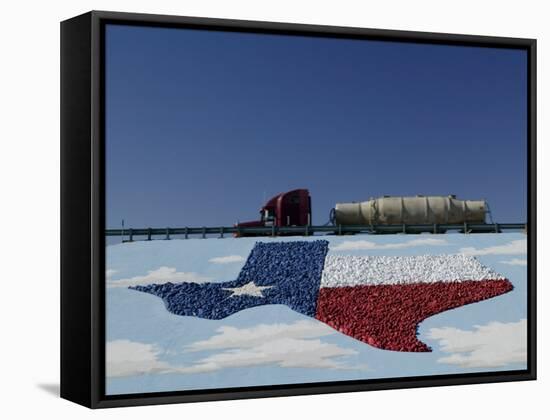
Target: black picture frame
(83,214)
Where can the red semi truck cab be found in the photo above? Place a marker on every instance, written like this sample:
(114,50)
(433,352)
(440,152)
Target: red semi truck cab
(292,208)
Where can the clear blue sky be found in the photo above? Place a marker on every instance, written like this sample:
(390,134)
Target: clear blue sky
(202,126)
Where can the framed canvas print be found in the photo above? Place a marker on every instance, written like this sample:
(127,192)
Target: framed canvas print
(255,209)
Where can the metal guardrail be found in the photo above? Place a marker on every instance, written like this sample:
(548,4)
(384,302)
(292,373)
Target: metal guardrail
(167,233)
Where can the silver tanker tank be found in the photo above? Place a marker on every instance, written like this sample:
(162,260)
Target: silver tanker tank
(411,210)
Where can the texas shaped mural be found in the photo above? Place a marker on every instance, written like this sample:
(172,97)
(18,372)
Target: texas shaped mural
(379,300)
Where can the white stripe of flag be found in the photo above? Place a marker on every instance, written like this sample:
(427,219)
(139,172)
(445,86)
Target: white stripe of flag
(344,270)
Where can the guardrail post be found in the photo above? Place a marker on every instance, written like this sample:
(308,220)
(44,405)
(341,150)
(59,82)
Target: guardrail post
(221,232)
(340,230)
(204,232)
(148,234)
(435,228)
(167,234)
(131,236)
(186,232)
(307,230)
(273,230)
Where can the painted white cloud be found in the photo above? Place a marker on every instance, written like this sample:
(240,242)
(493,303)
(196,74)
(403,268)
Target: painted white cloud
(515,261)
(512,248)
(294,345)
(109,273)
(368,245)
(492,345)
(228,259)
(232,337)
(284,352)
(130,358)
(159,276)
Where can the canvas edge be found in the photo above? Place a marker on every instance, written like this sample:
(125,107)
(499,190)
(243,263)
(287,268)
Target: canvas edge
(76,200)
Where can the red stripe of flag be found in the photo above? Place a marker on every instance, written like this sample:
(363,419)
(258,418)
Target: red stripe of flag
(387,316)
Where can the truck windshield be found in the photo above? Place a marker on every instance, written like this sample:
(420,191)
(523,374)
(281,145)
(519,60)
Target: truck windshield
(268,215)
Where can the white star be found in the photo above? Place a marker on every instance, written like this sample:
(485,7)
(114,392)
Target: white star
(249,289)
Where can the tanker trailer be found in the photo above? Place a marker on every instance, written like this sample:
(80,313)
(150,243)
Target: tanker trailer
(411,211)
